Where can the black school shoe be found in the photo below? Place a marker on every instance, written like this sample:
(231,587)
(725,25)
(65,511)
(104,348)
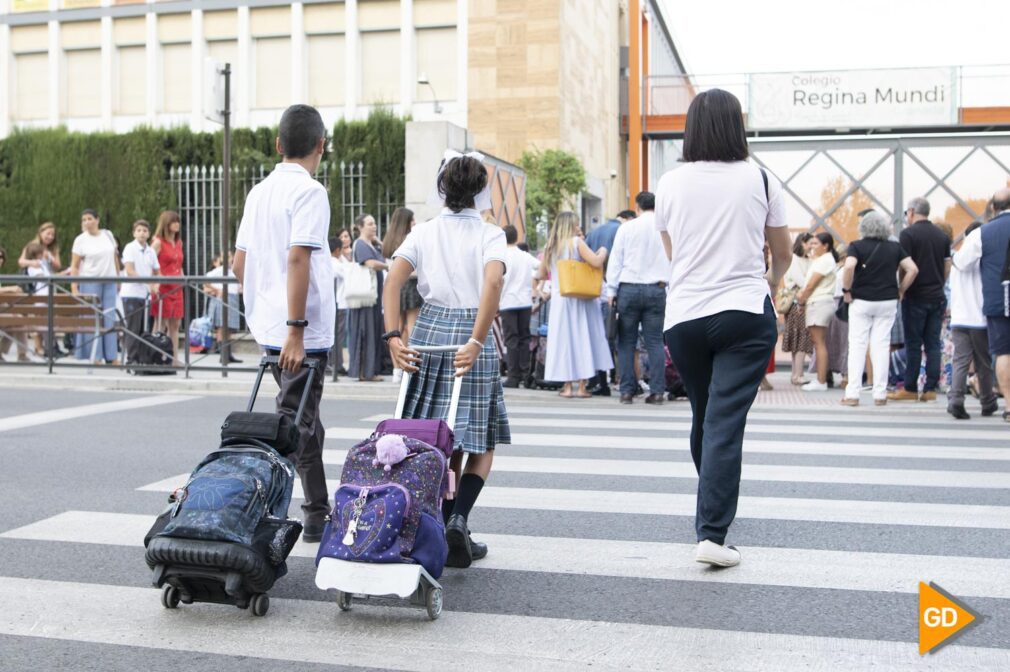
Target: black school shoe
(477,549)
(312,534)
(989,411)
(458,539)
(958,412)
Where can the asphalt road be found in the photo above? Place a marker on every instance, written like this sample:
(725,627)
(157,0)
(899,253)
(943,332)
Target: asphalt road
(589,522)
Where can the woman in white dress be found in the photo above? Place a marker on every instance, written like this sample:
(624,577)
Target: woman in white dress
(576,340)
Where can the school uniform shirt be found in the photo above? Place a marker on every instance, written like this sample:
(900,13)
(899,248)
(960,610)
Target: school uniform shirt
(97,253)
(224,289)
(145,262)
(826,266)
(638,256)
(442,250)
(518,290)
(287,209)
(716,214)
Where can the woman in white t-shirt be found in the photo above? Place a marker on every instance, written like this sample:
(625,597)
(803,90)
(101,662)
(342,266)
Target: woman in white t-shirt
(460,264)
(715,214)
(818,297)
(95,254)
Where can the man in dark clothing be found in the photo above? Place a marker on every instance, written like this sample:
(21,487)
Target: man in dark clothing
(603,236)
(924,304)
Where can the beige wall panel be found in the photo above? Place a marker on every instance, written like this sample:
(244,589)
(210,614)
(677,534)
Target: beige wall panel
(174,28)
(176,75)
(273,73)
(81,34)
(220,25)
(224,51)
(130,31)
(31,89)
(329,18)
(378,14)
(380,67)
(327,82)
(82,72)
(270,21)
(434,13)
(29,38)
(131,80)
(437,58)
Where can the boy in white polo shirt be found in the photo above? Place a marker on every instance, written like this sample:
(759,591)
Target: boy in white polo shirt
(282,261)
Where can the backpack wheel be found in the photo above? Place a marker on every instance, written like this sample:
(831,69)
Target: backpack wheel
(343,600)
(169,597)
(260,604)
(433,602)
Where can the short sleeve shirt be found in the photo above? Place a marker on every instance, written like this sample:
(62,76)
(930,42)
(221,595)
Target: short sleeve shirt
(97,253)
(145,262)
(929,248)
(826,266)
(449,253)
(876,274)
(287,209)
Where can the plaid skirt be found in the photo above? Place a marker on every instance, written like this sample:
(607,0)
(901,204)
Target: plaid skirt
(481,421)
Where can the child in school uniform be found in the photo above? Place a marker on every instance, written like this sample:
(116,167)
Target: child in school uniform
(283,264)
(460,263)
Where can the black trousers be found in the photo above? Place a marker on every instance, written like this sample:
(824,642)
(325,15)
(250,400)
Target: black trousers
(515,325)
(721,359)
(308,458)
(134,312)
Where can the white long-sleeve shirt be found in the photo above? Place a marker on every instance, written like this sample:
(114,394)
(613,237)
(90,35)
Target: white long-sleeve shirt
(966,285)
(638,256)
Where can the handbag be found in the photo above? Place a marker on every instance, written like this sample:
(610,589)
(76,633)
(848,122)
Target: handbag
(579,280)
(785,298)
(361,286)
(842,311)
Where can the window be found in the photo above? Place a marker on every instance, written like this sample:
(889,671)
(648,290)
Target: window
(436,58)
(326,70)
(176,77)
(131,80)
(82,90)
(31,97)
(380,67)
(224,51)
(273,73)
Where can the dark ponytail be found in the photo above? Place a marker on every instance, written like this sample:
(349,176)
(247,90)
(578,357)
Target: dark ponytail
(459,183)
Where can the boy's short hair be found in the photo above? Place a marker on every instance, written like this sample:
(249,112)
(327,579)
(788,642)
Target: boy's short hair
(34,250)
(140,222)
(300,131)
(334,243)
(511,235)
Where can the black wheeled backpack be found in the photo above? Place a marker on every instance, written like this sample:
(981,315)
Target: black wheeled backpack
(226,535)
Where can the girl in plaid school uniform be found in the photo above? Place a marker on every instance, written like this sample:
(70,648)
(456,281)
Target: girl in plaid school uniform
(460,264)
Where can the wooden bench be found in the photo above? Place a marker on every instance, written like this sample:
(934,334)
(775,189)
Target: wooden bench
(29,313)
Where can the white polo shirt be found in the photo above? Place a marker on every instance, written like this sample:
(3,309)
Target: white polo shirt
(716,214)
(518,290)
(638,256)
(145,262)
(287,209)
(450,253)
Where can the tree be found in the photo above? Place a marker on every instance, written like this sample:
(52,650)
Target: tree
(553,177)
(845,220)
(959,218)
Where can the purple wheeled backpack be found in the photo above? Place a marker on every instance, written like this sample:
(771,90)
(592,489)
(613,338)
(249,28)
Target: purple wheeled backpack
(388,507)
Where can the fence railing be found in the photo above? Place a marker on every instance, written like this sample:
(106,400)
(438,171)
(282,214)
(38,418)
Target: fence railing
(53,309)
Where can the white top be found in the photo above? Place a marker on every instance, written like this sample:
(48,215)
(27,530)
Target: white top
(224,289)
(450,253)
(638,255)
(796,276)
(339,265)
(518,290)
(966,285)
(97,253)
(145,262)
(715,214)
(287,209)
(826,266)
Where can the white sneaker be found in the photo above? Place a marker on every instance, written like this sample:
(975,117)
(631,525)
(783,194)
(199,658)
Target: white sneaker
(713,554)
(814,386)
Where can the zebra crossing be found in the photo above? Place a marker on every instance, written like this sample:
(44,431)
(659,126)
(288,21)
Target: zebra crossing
(589,521)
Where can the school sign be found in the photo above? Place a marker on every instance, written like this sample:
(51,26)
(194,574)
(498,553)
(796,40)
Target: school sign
(853,99)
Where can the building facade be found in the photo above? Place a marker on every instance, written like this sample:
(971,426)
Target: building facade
(519,74)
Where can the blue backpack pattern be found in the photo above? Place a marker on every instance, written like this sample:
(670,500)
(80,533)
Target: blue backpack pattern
(229,493)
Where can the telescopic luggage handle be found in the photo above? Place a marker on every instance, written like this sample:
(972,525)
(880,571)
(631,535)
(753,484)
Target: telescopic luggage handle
(269,360)
(457,383)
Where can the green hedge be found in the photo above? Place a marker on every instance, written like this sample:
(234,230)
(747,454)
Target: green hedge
(52,174)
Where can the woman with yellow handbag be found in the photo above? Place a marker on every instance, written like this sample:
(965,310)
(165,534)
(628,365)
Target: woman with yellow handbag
(577,342)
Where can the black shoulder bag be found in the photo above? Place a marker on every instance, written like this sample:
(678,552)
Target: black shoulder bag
(842,312)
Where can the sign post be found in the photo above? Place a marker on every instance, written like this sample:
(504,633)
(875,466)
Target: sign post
(218,110)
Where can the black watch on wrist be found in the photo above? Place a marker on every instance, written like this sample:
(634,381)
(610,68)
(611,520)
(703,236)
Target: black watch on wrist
(846,291)
(298,323)
(395,333)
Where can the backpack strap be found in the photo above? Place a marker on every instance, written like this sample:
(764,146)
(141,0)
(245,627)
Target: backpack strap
(764,178)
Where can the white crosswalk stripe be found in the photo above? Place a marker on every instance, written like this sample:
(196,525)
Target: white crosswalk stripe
(600,533)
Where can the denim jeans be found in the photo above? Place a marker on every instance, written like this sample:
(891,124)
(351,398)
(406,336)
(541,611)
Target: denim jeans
(721,359)
(105,346)
(643,305)
(923,322)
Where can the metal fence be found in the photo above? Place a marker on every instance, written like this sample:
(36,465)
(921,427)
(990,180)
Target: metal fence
(352,197)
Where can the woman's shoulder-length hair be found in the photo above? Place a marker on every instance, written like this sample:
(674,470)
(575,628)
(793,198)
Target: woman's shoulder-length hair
(714,130)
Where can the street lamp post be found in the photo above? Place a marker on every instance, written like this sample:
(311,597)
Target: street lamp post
(423,80)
